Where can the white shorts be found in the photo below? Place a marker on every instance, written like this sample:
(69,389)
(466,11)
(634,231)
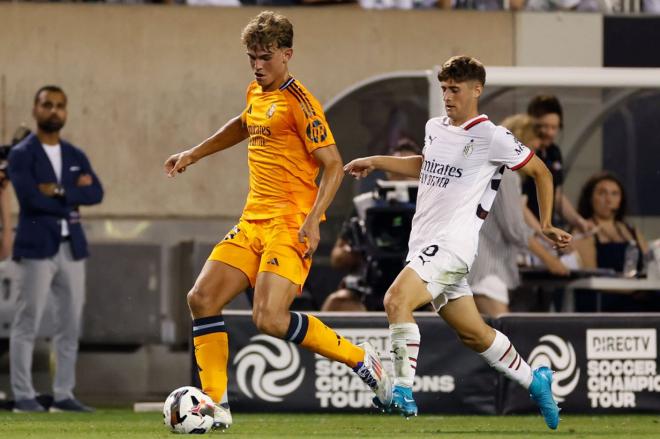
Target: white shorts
(492,287)
(444,273)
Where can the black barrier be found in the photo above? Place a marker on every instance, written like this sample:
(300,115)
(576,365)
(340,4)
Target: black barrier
(270,375)
(604,363)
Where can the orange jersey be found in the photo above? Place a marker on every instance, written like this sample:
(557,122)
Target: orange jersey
(285,127)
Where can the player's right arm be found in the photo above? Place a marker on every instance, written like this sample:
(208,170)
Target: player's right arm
(230,134)
(408,166)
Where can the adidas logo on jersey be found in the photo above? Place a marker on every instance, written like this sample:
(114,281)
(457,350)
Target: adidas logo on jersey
(273,261)
(232,233)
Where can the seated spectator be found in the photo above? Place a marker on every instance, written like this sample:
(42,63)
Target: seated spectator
(603,201)
(504,235)
(549,116)
(346,254)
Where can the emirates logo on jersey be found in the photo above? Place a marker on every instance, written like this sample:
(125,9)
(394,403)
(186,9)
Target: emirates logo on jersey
(467,151)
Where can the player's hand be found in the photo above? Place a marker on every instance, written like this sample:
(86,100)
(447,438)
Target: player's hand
(177,163)
(310,234)
(556,267)
(560,238)
(360,168)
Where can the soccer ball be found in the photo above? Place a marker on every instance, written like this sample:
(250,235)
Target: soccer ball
(188,410)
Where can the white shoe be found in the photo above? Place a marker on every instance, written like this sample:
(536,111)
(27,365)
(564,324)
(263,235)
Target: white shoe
(221,417)
(372,373)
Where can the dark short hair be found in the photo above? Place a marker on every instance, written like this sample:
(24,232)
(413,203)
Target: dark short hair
(406,145)
(268,30)
(541,105)
(586,208)
(50,88)
(463,68)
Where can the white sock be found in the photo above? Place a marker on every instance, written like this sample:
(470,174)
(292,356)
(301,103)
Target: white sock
(502,356)
(405,340)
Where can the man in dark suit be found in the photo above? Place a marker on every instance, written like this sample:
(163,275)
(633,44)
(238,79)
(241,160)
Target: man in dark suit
(52,178)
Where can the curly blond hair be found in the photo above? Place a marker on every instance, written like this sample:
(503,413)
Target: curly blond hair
(523,126)
(268,30)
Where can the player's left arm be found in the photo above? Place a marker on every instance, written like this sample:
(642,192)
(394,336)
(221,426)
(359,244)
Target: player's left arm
(333,172)
(536,169)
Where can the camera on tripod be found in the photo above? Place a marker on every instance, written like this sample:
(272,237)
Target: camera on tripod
(380,232)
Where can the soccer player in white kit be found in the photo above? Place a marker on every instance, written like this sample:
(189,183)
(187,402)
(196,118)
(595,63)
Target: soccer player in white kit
(463,159)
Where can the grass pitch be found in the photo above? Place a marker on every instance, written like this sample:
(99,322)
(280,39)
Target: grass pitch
(117,423)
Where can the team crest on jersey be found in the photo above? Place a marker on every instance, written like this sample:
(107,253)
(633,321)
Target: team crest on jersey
(316,131)
(271,111)
(467,151)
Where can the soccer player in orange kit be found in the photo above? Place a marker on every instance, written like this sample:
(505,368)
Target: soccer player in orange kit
(271,247)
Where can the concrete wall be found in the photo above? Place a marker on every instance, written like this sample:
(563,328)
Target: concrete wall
(566,40)
(559,39)
(144,82)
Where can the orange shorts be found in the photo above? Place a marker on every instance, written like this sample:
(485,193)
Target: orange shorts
(270,245)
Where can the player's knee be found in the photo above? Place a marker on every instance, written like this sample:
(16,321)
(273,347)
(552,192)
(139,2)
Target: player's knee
(201,301)
(394,303)
(476,339)
(270,322)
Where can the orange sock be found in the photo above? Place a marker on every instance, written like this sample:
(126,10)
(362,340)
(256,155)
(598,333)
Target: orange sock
(310,333)
(212,353)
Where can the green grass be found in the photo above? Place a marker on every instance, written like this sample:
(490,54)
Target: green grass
(126,424)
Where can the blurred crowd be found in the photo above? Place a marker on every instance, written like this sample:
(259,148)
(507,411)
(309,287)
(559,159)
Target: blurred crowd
(605,242)
(602,6)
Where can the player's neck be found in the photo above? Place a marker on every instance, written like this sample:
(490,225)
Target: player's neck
(277,83)
(461,120)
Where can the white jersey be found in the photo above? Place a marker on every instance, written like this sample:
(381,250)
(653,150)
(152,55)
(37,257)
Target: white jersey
(458,182)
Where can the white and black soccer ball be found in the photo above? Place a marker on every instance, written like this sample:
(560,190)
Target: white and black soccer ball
(188,410)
